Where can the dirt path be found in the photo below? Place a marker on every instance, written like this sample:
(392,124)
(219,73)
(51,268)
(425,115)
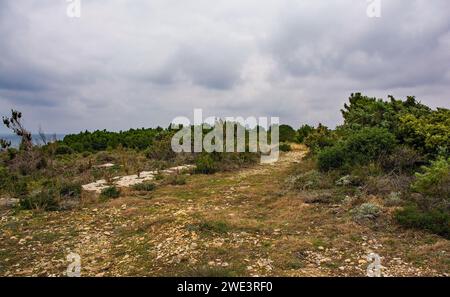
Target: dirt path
(230,224)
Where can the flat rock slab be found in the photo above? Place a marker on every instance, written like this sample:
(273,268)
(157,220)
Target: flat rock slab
(131,180)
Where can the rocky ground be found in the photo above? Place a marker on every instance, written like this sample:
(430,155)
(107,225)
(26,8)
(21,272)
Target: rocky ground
(242,223)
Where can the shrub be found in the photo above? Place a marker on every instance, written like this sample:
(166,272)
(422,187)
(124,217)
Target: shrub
(402,159)
(63,150)
(285,147)
(364,111)
(110,192)
(366,211)
(427,133)
(362,147)
(105,157)
(287,133)
(230,161)
(72,190)
(435,181)
(159,176)
(205,164)
(332,157)
(176,180)
(214,227)
(303,132)
(369,144)
(436,221)
(310,180)
(320,138)
(45,199)
(145,187)
(4,177)
(18,187)
(161,150)
(12,153)
(393,199)
(349,180)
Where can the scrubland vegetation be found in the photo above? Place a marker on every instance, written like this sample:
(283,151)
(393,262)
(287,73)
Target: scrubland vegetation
(397,150)
(385,169)
(48,176)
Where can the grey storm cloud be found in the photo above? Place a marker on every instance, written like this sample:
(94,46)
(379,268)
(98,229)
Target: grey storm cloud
(142,63)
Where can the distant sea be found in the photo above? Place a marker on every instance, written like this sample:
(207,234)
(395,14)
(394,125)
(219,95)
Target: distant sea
(15,140)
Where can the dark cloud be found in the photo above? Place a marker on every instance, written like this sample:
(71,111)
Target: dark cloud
(138,64)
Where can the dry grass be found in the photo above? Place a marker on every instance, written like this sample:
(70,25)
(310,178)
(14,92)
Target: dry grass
(226,224)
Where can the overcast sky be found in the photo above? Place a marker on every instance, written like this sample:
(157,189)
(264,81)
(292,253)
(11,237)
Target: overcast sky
(141,63)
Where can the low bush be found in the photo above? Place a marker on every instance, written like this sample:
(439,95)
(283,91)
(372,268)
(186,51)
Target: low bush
(366,211)
(145,187)
(332,157)
(161,150)
(205,164)
(402,159)
(17,187)
(159,176)
(105,157)
(285,147)
(359,148)
(214,227)
(70,190)
(4,177)
(287,133)
(430,201)
(176,180)
(436,220)
(45,199)
(393,199)
(434,182)
(369,144)
(110,192)
(310,180)
(63,150)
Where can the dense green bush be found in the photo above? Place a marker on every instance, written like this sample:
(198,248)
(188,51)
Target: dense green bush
(285,147)
(429,134)
(436,220)
(332,157)
(287,134)
(320,138)
(304,132)
(367,211)
(361,147)
(205,164)
(139,139)
(363,111)
(412,123)
(63,149)
(434,182)
(369,144)
(110,192)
